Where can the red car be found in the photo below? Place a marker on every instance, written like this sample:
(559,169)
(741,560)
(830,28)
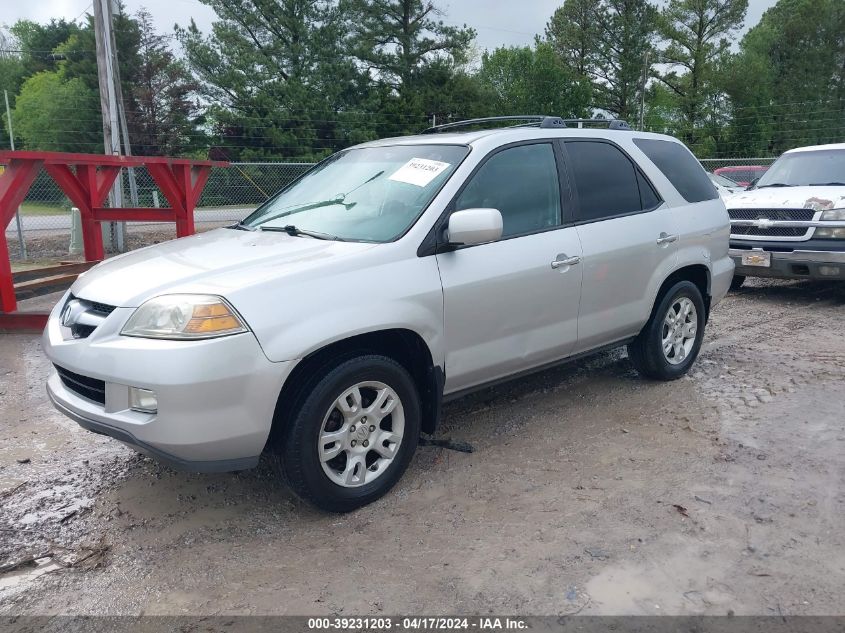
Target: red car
(742,174)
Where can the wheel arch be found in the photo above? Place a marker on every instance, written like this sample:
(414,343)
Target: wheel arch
(699,274)
(404,346)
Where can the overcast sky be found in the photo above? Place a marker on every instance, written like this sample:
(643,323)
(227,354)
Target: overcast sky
(498,22)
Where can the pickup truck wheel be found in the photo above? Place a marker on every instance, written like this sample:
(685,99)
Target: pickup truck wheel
(669,343)
(737,281)
(354,434)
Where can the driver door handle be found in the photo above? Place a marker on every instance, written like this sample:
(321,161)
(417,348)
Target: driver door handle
(665,238)
(563,260)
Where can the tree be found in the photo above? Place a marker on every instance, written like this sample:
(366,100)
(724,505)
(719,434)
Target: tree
(11,78)
(79,59)
(276,75)
(625,36)
(525,80)
(573,33)
(787,84)
(698,36)
(610,42)
(52,113)
(38,43)
(163,122)
(396,40)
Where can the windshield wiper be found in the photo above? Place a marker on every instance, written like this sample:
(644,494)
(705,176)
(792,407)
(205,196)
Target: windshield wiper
(775,184)
(290,229)
(240,226)
(339,199)
(826,184)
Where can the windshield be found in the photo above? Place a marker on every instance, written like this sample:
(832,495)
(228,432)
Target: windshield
(369,194)
(742,175)
(818,167)
(721,180)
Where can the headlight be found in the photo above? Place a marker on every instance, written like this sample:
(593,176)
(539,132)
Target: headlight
(833,215)
(184,317)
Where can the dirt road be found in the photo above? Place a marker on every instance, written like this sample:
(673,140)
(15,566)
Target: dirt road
(590,490)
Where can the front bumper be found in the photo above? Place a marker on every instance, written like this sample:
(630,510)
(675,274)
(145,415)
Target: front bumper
(794,264)
(216,398)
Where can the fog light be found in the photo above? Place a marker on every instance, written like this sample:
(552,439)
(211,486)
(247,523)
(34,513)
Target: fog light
(143,400)
(831,271)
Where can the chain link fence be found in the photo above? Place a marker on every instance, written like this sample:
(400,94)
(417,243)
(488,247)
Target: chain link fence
(230,195)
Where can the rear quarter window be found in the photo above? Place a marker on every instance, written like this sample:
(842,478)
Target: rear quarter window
(680,167)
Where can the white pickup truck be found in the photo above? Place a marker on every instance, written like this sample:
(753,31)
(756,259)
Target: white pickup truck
(791,223)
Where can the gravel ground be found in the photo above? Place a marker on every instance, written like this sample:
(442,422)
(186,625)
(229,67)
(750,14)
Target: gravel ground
(590,491)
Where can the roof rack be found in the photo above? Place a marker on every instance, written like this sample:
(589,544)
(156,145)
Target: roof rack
(540,120)
(612,124)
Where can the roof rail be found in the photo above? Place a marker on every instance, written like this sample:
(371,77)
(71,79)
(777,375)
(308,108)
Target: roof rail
(540,120)
(612,124)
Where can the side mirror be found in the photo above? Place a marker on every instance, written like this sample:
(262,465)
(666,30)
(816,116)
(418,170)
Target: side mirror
(474,226)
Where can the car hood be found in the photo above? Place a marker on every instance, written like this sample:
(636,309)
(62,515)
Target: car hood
(818,198)
(217,262)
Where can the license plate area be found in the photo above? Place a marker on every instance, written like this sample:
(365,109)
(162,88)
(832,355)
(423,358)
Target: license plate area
(761,259)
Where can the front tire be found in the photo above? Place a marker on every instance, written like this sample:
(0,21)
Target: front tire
(353,435)
(669,343)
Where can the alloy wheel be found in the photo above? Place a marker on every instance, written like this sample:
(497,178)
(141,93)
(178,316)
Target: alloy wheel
(361,434)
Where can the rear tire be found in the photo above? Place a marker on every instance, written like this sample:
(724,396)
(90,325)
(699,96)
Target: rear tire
(353,435)
(669,343)
(737,281)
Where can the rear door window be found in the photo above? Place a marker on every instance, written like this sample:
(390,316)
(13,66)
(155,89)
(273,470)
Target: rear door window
(680,167)
(608,183)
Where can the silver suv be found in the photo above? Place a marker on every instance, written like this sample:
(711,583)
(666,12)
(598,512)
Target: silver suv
(328,327)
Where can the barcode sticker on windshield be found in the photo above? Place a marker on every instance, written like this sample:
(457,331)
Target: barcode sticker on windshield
(419,171)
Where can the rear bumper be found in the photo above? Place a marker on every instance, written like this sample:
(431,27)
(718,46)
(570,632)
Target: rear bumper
(796,264)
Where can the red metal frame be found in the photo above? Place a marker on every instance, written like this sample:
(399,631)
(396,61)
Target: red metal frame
(86,180)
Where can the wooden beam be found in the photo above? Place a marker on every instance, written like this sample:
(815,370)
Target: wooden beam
(23,321)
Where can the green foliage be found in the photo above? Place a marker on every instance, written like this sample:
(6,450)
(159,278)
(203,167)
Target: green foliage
(573,33)
(787,84)
(11,78)
(625,37)
(533,81)
(166,113)
(298,79)
(697,35)
(398,40)
(45,105)
(609,42)
(276,76)
(38,43)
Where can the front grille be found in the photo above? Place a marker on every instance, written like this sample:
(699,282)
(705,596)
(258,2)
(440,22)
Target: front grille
(794,215)
(102,308)
(777,231)
(93,308)
(91,388)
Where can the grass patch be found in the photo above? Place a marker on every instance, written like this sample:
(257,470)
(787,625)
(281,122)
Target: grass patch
(36,208)
(40,263)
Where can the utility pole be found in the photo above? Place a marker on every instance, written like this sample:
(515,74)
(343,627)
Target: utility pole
(642,91)
(109,105)
(124,130)
(21,243)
